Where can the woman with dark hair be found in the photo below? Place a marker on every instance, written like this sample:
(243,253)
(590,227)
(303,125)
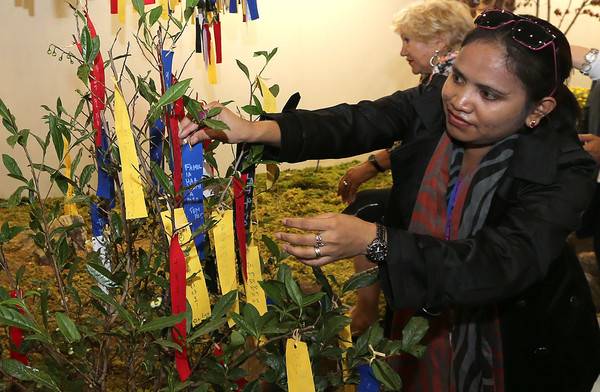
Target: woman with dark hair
(488,182)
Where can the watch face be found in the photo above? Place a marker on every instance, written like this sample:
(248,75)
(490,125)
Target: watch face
(377,251)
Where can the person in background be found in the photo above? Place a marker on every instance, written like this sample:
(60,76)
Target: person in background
(587,60)
(431,33)
(489,181)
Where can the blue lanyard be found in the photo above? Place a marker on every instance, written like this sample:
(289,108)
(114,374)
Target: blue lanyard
(451,204)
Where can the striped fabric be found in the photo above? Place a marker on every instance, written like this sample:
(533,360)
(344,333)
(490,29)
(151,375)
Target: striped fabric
(464,351)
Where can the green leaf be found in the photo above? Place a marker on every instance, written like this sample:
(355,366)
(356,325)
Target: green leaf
(83,73)
(362,279)
(271,246)
(125,315)
(57,137)
(174,92)
(139,6)
(155,14)
(86,175)
(163,180)
(12,166)
(215,124)
(19,371)
(224,305)
(323,281)
(274,290)
(274,89)
(243,68)
(163,322)
(208,327)
(293,290)
(67,327)
(386,375)
(4,112)
(332,326)
(414,331)
(168,344)
(252,110)
(102,275)
(14,318)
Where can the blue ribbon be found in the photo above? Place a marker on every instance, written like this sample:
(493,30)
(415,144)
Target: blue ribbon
(233,6)
(106,183)
(252,9)
(192,162)
(368,382)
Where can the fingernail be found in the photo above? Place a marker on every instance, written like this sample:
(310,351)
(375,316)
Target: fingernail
(284,221)
(278,236)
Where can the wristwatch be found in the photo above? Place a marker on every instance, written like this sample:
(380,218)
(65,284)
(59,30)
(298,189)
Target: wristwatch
(377,250)
(590,57)
(373,160)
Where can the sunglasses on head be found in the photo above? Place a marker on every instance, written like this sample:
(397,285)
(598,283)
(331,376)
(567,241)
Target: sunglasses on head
(525,31)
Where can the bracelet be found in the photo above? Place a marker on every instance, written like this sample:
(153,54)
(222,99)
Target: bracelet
(373,160)
(590,57)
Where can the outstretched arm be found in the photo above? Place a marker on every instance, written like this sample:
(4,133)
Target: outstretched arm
(240,130)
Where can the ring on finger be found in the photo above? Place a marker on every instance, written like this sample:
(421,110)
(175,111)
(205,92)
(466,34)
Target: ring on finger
(319,240)
(317,252)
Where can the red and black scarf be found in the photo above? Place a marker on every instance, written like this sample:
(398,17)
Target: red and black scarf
(464,348)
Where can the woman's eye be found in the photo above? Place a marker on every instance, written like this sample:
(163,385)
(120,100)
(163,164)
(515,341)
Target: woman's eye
(456,77)
(489,96)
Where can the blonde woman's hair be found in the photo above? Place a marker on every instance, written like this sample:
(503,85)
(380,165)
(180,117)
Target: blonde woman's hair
(426,21)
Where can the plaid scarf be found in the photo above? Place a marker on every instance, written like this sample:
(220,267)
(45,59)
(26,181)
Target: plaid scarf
(464,347)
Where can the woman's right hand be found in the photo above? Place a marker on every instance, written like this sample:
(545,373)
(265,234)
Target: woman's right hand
(239,128)
(353,178)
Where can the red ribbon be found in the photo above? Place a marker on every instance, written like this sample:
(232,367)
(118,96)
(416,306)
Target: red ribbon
(217,32)
(114,6)
(149,2)
(206,28)
(240,229)
(16,336)
(219,351)
(98,88)
(178,304)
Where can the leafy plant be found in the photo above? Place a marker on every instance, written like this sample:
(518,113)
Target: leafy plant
(104,320)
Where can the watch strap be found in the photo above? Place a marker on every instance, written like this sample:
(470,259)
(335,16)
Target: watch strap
(373,160)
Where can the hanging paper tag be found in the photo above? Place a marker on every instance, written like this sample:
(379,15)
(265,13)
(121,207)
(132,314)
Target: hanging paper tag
(198,34)
(299,371)
(196,291)
(212,67)
(70,208)
(254,292)
(178,305)
(114,6)
(165,9)
(193,203)
(135,207)
(121,9)
(233,6)
(345,342)
(268,97)
(225,254)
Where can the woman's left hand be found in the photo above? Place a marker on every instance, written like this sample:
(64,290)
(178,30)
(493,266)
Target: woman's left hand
(341,236)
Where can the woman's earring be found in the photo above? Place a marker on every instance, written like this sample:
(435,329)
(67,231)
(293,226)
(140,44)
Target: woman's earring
(435,59)
(532,123)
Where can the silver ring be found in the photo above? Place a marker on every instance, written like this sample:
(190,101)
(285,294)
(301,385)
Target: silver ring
(185,141)
(319,240)
(345,183)
(317,252)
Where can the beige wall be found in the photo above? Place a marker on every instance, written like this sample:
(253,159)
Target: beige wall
(330,51)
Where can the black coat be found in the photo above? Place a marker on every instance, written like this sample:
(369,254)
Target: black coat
(518,260)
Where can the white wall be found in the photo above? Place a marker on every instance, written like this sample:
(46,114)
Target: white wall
(331,51)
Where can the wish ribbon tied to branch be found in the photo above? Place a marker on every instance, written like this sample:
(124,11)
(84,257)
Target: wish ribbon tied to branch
(133,191)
